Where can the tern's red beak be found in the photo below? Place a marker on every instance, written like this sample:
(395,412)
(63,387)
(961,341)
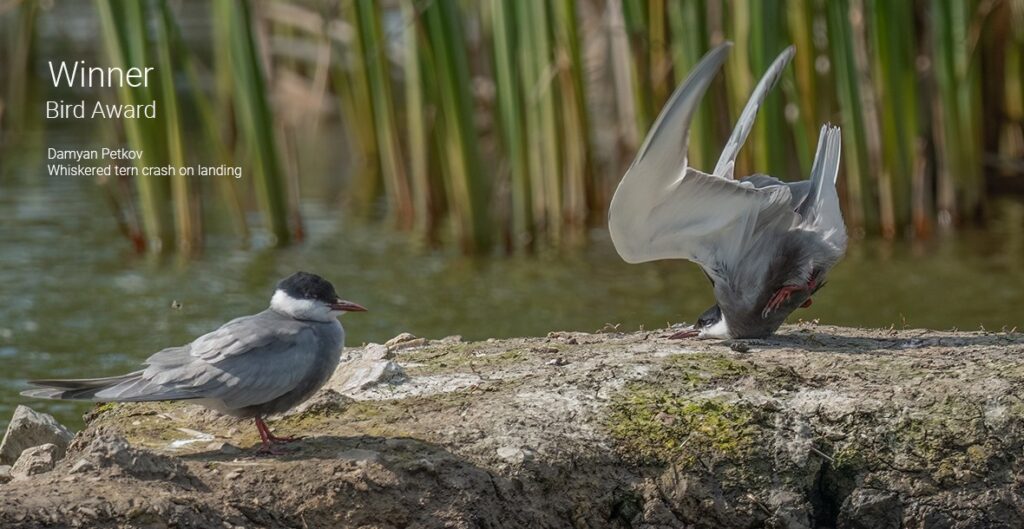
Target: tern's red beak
(685,333)
(347,306)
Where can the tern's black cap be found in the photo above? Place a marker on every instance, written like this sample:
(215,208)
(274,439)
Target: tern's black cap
(303,285)
(709,317)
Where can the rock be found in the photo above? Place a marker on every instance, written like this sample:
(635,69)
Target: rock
(405,341)
(373,367)
(418,342)
(36,460)
(376,351)
(871,509)
(739,347)
(29,428)
(327,400)
(224,448)
(358,454)
(5,473)
(789,509)
(796,439)
(635,432)
(514,455)
(113,454)
(695,497)
(403,337)
(81,466)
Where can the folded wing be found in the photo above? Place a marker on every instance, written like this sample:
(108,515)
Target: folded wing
(239,364)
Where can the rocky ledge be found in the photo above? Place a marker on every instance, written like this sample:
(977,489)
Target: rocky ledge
(816,427)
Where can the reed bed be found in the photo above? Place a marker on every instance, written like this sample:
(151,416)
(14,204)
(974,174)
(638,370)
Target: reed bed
(904,79)
(168,211)
(511,121)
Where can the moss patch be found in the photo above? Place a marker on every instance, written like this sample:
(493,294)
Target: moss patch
(408,416)
(460,357)
(694,370)
(946,440)
(656,425)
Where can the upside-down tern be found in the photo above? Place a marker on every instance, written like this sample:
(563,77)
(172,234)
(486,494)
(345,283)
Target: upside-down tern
(766,245)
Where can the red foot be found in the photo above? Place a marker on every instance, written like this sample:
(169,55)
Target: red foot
(284,440)
(268,440)
(806,303)
(783,294)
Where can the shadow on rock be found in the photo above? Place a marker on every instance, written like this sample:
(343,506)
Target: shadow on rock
(846,344)
(326,481)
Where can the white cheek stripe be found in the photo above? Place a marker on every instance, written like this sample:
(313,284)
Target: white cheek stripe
(719,330)
(289,305)
(302,309)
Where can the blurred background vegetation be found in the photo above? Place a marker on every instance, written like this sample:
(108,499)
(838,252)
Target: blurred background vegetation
(448,164)
(504,125)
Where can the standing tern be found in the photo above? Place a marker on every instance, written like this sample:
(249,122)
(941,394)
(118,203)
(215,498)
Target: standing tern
(251,367)
(766,245)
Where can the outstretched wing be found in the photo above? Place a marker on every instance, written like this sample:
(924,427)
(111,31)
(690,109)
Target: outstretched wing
(727,161)
(663,209)
(820,209)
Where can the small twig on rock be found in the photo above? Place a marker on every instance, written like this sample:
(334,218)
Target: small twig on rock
(829,458)
(473,369)
(757,502)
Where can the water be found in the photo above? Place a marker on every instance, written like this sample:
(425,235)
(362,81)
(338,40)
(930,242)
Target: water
(77,302)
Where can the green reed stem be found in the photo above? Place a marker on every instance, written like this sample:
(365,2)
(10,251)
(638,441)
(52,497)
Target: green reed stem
(511,115)
(396,183)
(255,123)
(468,188)
(123,25)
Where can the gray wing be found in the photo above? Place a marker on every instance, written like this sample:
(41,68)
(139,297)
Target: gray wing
(247,361)
(797,190)
(662,157)
(820,209)
(663,209)
(727,161)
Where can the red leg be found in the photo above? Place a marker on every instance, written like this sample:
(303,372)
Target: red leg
(806,303)
(268,440)
(783,294)
(266,446)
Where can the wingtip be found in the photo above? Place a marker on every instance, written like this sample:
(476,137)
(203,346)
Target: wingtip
(830,132)
(678,110)
(39,393)
(785,57)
